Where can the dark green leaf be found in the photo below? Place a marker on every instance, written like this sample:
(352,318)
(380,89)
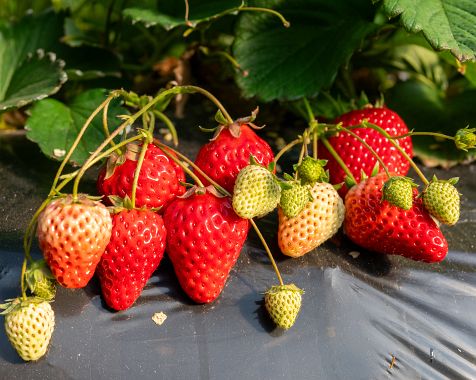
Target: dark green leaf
(27,73)
(288,63)
(34,79)
(446,24)
(55,125)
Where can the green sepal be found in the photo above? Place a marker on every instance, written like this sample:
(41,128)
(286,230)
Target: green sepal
(465,138)
(220,119)
(16,303)
(272,166)
(375,170)
(288,177)
(453,180)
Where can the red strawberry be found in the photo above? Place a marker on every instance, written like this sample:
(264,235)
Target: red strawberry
(134,252)
(158,181)
(378,226)
(356,156)
(73,236)
(204,240)
(229,152)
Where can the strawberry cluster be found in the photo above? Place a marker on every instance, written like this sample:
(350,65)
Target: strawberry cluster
(355,177)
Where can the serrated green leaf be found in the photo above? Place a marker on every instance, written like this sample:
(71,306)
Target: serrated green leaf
(425,109)
(27,73)
(446,24)
(289,63)
(172,13)
(55,125)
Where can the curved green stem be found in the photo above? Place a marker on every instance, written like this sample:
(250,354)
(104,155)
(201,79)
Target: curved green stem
(78,138)
(212,98)
(22,279)
(170,126)
(338,159)
(181,164)
(285,22)
(105,123)
(303,151)
(434,134)
(140,160)
(314,144)
(384,133)
(370,149)
(268,251)
(286,148)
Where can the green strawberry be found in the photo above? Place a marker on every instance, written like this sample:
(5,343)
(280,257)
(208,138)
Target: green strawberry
(40,280)
(465,138)
(256,192)
(311,171)
(442,200)
(29,325)
(283,303)
(294,199)
(398,191)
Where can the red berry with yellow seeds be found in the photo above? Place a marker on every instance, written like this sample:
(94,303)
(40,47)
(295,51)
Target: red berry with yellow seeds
(73,235)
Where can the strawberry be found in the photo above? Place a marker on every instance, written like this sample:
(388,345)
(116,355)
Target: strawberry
(283,303)
(159,180)
(204,240)
(441,199)
(294,199)
(256,192)
(134,252)
(381,227)
(29,325)
(398,191)
(317,222)
(229,152)
(73,236)
(311,170)
(356,156)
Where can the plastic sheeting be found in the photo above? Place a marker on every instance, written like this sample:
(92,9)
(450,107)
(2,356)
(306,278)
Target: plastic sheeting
(364,315)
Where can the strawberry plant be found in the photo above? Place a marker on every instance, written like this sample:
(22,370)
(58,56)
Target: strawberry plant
(350,81)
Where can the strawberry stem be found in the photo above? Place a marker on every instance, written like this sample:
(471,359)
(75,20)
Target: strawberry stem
(179,163)
(286,148)
(398,147)
(268,251)
(22,279)
(285,22)
(314,144)
(105,124)
(338,159)
(78,138)
(434,134)
(170,126)
(313,124)
(364,143)
(303,152)
(140,160)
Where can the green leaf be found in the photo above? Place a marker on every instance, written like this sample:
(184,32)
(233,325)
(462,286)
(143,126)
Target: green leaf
(446,24)
(27,73)
(289,63)
(172,13)
(34,79)
(55,125)
(425,109)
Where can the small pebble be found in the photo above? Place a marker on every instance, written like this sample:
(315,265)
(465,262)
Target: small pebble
(354,254)
(159,318)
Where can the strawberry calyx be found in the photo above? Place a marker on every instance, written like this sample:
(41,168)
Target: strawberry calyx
(201,190)
(465,138)
(40,280)
(235,127)
(120,204)
(14,304)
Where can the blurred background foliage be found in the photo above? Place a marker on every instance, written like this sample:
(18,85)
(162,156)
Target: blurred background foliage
(59,57)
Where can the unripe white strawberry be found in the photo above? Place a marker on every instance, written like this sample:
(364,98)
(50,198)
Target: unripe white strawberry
(316,223)
(29,325)
(256,192)
(283,303)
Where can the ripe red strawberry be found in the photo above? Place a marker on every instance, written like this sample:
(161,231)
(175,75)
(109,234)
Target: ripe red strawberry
(158,181)
(356,156)
(378,226)
(229,152)
(204,240)
(73,236)
(134,252)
